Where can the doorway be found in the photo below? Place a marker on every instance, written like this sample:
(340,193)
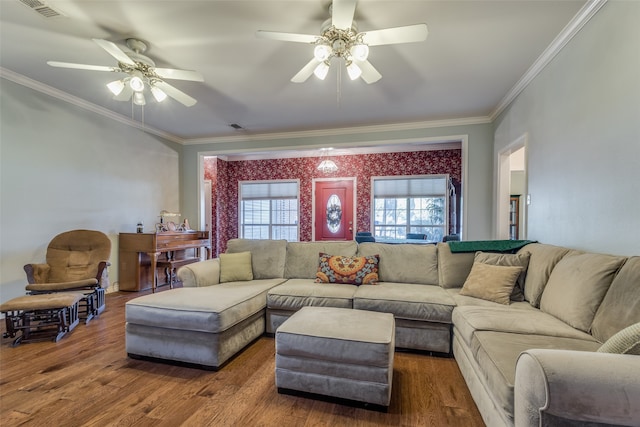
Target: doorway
(512,194)
(333,212)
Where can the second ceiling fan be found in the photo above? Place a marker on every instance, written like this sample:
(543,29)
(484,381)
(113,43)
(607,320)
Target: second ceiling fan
(339,38)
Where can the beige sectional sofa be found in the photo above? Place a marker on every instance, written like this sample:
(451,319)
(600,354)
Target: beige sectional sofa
(566,304)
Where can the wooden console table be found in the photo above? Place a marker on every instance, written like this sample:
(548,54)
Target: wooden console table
(139,254)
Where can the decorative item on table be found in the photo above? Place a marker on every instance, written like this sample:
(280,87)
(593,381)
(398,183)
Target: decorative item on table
(140,227)
(163,226)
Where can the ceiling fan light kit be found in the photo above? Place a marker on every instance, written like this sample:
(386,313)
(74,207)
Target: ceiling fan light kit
(339,37)
(142,73)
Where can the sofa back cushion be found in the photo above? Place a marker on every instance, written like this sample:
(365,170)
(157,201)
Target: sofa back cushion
(267,256)
(453,268)
(577,286)
(541,262)
(303,258)
(620,307)
(404,263)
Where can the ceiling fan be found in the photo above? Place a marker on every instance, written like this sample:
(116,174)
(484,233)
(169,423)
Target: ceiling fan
(339,38)
(141,73)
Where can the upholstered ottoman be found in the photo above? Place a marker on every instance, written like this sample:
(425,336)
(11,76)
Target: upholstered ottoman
(337,352)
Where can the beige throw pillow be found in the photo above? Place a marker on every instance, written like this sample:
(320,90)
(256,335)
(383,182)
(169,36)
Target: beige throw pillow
(509,260)
(627,341)
(491,282)
(235,267)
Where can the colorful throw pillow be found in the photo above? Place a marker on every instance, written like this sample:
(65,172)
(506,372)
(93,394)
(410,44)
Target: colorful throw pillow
(491,282)
(235,267)
(348,270)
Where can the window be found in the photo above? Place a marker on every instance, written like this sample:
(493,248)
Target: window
(403,205)
(269,210)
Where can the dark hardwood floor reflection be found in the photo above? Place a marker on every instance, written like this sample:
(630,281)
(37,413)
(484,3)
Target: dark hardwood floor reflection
(86,379)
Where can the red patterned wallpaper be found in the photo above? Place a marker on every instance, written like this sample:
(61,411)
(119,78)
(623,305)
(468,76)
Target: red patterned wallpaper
(225,176)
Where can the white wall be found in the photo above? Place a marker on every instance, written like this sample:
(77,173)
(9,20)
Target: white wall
(582,116)
(64,168)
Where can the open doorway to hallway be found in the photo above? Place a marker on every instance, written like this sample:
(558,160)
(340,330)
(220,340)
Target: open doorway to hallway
(512,191)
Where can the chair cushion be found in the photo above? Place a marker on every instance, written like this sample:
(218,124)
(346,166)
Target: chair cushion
(75,255)
(53,287)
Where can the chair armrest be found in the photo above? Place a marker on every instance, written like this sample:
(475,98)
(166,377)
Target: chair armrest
(559,386)
(198,274)
(37,273)
(103,274)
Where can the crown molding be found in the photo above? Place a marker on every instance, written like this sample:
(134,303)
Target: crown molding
(81,103)
(568,32)
(340,131)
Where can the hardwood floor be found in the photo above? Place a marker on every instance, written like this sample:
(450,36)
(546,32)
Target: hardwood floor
(86,379)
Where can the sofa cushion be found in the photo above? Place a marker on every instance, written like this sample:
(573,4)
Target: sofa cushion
(210,309)
(406,301)
(577,286)
(470,319)
(235,267)
(453,269)
(462,300)
(297,293)
(491,282)
(627,341)
(509,260)
(496,353)
(267,256)
(348,270)
(302,257)
(404,263)
(621,305)
(541,262)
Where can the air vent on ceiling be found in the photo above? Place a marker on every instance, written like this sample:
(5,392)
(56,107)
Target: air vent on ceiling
(236,126)
(42,8)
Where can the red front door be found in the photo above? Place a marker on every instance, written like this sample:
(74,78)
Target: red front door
(334,210)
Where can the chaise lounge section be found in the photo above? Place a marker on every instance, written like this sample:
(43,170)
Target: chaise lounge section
(563,301)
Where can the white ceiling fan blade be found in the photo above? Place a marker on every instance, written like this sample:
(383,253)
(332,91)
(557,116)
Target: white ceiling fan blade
(306,71)
(176,94)
(125,95)
(286,37)
(82,66)
(113,50)
(342,13)
(169,73)
(369,73)
(407,34)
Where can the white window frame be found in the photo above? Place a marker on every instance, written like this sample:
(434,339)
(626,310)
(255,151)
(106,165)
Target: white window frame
(445,194)
(271,223)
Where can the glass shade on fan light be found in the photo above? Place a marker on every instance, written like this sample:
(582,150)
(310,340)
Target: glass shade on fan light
(138,98)
(116,87)
(321,70)
(322,52)
(360,52)
(353,70)
(158,94)
(136,83)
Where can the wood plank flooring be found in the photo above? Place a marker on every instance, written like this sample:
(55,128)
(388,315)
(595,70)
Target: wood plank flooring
(86,379)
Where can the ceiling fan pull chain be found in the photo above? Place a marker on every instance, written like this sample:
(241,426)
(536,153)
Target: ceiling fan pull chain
(339,85)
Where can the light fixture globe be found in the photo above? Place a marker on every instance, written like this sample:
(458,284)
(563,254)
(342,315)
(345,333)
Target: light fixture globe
(322,70)
(116,87)
(353,70)
(322,52)
(138,99)
(158,94)
(360,52)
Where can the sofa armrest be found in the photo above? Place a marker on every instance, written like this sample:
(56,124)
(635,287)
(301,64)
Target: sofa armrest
(199,274)
(560,386)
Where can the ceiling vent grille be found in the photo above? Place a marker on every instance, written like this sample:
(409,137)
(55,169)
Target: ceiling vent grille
(42,8)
